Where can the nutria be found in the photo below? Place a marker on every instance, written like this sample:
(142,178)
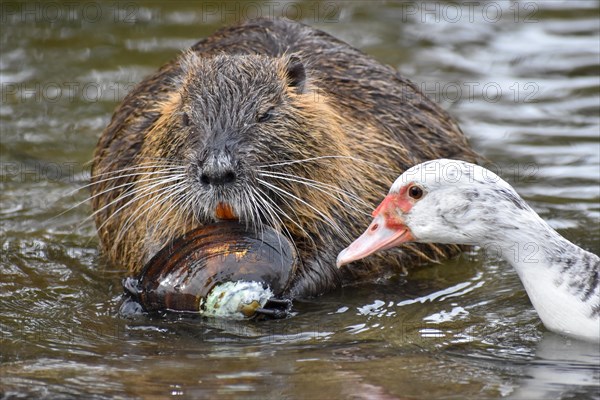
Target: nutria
(284,125)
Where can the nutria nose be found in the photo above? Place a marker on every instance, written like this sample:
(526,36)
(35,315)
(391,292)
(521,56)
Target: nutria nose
(217,167)
(218,177)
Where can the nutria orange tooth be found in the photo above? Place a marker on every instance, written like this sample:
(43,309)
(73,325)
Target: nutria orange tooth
(225,211)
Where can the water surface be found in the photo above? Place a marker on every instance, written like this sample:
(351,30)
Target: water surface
(521,78)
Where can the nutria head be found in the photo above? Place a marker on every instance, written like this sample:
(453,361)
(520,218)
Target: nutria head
(233,122)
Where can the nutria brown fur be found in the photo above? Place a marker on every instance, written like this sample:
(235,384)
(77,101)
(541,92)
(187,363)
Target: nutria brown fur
(221,124)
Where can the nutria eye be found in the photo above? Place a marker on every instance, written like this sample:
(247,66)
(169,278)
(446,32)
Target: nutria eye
(415,192)
(264,117)
(185,119)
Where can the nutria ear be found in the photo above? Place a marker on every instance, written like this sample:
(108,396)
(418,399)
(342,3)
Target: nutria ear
(296,74)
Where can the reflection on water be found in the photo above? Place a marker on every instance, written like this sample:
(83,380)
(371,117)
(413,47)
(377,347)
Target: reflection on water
(561,368)
(522,82)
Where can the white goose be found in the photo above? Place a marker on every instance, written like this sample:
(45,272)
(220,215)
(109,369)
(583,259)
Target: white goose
(449,201)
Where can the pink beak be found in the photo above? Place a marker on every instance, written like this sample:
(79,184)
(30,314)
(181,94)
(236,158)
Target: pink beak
(378,236)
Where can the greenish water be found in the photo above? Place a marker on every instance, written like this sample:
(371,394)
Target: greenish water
(523,80)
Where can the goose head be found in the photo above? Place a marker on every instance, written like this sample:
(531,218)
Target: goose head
(443,201)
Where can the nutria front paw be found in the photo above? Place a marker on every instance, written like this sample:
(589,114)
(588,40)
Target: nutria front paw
(274,309)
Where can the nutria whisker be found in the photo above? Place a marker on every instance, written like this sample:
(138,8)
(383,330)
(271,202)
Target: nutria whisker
(155,201)
(147,179)
(261,209)
(196,206)
(141,189)
(267,211)
(148,167)
(319,183)
(138,211)
(314,186)
(161,171)
(255,214)
(176,190)
(311,159)
(323,216)
(273,223)
(278,226)
(256,209)
(168,192)
(119,198)
(89,198)
(187,201)
(246,204)
(269,204)
(251,201)
(144,190)
(164,160)
(272,205)
(320,189)
(246,213)
(249,214)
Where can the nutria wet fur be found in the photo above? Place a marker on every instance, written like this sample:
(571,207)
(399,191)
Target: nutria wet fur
(289,126)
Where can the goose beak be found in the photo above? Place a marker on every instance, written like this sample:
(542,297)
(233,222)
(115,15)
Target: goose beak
(379,236)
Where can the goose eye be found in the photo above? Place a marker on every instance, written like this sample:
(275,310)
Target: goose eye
(185,119)
(264,117)
(415,192)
